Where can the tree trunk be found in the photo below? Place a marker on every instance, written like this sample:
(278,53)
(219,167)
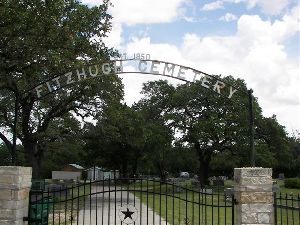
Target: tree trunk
(203,172)
(135,166)
(204,160)
(124,170)
(34,157)
(162,172)
(124,167)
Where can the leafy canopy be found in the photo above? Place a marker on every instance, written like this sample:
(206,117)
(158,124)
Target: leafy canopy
(42,39)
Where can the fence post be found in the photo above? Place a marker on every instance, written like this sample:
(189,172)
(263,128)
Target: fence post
(254,196)
(15,183)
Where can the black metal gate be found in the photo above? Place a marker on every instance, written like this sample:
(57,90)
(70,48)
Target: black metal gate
(130,201)
(286,209)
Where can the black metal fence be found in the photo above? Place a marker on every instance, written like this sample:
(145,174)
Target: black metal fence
(286,209)
(130,201)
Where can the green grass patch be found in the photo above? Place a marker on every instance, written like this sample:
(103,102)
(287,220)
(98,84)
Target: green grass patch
(180,205)
(284,190)
(287,199)
(177,211)
(287,216)
(292,183)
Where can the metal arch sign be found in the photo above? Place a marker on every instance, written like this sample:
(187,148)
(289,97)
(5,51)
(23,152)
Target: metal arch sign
(154,67)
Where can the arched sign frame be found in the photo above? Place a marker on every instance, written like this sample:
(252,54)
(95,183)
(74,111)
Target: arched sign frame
(152,67)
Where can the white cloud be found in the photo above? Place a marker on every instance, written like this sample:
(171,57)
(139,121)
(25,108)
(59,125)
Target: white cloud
(288,26)
(163,51)
(139,12)
(190,19)
(91,2)
(213,6)
(147,11)
(254,28)
(114,38)
(269,7)
(273,7)
(255,53)
(228,17)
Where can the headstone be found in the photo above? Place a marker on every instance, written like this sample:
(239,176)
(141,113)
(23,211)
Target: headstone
(56,189)
(228,193)
(275,188)
(281,176)
(196,184)
(177,185)
(218,182)
(178,189)
(38,184)
(206,191)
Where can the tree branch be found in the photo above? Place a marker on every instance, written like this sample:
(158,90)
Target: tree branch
(57,111)
(6,141)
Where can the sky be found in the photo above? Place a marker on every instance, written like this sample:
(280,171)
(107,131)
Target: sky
(256,40)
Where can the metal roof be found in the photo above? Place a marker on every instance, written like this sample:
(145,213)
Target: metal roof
(77,166)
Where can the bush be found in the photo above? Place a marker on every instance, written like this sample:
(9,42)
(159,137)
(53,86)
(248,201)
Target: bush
(292,183)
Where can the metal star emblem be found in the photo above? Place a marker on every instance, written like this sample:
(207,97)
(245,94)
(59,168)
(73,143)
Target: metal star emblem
(127,214)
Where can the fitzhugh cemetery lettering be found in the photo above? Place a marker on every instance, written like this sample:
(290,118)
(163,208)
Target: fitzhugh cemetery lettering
(154,67)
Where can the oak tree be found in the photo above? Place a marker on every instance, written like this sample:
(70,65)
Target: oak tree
(40,40)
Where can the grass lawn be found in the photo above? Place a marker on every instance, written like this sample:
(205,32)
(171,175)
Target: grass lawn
(187,206)
(288,217)
(285,190)
(178,211)
(287,198)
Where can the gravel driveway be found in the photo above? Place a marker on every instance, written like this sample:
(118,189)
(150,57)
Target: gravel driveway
(131,211)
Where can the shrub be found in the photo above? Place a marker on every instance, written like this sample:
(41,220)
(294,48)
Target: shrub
(292,183)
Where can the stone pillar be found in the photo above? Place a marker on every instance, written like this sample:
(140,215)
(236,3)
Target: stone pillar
(254,196)
(15,183)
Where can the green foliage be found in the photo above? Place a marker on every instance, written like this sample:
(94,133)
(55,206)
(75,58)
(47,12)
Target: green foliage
(5,155)
(207,122)
(182,159)
(264,156)
(224,162)
(59,147)
(117,140)
(217,128)
(294,145)
(38,41)
(273,139)
(292,182)
(158,137)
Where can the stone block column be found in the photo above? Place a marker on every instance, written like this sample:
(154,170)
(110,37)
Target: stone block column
(254,196)
(15,183)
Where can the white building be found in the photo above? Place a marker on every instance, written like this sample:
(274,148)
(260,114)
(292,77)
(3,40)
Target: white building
(68,172)
(98,173)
